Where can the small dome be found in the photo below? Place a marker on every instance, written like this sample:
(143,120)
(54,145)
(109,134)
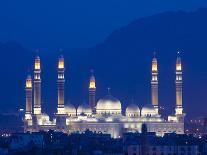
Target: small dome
(148,110)
(132,110)
(84,109)
(70,110)
(109,105)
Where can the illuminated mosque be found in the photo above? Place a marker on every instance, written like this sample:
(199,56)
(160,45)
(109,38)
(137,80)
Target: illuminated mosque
(104,116)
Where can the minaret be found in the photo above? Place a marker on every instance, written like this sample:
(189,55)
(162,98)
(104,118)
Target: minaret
(60,85)
(154,84)
(37,86)
(28,90)
(92,92)
(178,82)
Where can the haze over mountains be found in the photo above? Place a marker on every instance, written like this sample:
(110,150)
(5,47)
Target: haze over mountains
(50,24)
(121,62)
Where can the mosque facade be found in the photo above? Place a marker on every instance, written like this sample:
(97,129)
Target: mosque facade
(104,116)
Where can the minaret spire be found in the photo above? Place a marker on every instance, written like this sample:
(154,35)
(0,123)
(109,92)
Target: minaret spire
(28,90)
(37,86)
(109,90)
(92,91)
(154,83)
(178,83)
(60,86)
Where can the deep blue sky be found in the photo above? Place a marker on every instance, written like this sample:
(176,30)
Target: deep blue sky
(51,24)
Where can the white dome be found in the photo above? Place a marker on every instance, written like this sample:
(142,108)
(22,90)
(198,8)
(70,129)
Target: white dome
(132,110)
(84,109)
(108,105)
(70,110)
(148,110)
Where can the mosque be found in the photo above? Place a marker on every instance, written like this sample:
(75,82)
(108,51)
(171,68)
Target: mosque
(106,115)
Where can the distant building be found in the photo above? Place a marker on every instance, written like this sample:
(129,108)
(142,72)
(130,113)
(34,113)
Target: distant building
(23,140)
(89,143)
(4,149)
(164,149)
(106,115)
(171,144)
(39,140)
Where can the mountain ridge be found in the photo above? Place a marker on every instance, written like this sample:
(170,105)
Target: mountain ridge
(122,62)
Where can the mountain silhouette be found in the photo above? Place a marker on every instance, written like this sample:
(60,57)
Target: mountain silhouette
(126,55)
(121,62)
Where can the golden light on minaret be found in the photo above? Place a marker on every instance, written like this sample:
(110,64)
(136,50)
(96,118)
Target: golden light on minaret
(28,82)
(178,64)
(154,83)
(37,63)
(92,91)
(37,86)
(61,63)
(154,65)
(28,90)
(178,83)
(60,86)
(92,83)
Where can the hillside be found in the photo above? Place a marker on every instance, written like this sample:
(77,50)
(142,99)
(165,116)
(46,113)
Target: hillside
(122,62)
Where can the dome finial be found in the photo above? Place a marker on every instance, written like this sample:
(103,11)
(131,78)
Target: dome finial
(179,52)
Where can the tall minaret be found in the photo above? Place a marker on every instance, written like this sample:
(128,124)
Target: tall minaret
(92,92)
(178,82)
(28,90)
(154,84)
(60,85)
(37,86)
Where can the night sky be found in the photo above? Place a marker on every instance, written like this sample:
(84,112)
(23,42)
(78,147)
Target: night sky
(51,25)
(94,31)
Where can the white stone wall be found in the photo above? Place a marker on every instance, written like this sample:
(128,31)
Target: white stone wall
(112,125)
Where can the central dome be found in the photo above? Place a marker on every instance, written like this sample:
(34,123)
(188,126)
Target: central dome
(108,105)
